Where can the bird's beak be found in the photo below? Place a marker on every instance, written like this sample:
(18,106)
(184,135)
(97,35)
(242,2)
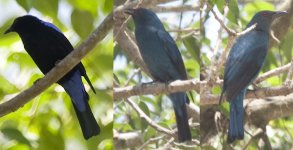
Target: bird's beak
(8,30)
(279,14)
(129,11)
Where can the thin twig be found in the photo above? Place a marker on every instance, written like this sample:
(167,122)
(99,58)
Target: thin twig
(149,120)
(149,141)
(255,136)
(268,145)
(288,80)
(228,30)
(136,71)
(183,30)
(180,8)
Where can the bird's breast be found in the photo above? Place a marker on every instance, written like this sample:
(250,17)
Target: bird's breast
(154,55)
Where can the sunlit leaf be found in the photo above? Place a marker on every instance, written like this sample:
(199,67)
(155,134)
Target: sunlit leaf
(145,109)
(82,22)
(25,4)
(15,134)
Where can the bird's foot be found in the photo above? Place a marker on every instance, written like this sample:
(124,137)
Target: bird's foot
(146,83)
(57,62)
(255,88)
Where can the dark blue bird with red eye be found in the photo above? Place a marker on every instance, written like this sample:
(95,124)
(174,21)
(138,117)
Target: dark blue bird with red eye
(47,45)
(244,62)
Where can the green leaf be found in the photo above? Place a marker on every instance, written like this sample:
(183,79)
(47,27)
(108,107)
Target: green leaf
(146,110)
(220,4)
(286,47)
(82,22)
(49,7)
(25,4)
(254,7)
(270,61)
(86,5)
(106,144)
(23,59)
(233,13)
(193,46)
(225,107)
(15,134)
(108,6)
(6,87)
(50,140)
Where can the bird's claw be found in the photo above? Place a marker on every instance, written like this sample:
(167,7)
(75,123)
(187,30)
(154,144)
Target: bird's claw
(57,62)
(146,83)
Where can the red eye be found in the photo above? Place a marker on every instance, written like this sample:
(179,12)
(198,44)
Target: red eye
(265,14)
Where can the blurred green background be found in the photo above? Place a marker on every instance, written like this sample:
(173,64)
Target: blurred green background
(49,121)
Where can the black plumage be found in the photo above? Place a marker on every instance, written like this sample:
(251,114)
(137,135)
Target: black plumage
(47,45)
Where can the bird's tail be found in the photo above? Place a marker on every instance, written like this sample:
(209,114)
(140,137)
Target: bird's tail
(179,101)
(74,87)
(236,130)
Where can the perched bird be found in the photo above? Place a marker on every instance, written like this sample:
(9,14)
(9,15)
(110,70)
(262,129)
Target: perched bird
(163,60)
(243,65)
(47,45)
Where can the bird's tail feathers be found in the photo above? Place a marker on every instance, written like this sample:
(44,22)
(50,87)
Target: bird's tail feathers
(236,130)
(89,82)
(179,103)
(87,121)
(79,97)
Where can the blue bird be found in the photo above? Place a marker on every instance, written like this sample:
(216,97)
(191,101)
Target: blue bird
(163,60)
(47,45)
(244,62)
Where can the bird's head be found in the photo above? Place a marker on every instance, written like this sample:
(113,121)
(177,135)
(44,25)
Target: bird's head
(22,23)
(264,19)
(142,16)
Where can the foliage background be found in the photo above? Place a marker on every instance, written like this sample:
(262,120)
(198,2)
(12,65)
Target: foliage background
(49,121)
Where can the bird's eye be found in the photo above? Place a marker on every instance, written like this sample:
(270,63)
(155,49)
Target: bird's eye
(265,14)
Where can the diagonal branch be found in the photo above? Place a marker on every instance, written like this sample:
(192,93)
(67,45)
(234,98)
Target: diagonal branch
(149,120)
(60,69)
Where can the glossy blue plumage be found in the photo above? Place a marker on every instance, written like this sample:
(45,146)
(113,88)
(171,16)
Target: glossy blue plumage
(243,64)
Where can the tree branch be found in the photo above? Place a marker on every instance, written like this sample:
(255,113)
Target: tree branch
(155,88)
(127,140)
(261,111)
(149,120)
(209,99)
(180,8)
(60,69)
(273,72)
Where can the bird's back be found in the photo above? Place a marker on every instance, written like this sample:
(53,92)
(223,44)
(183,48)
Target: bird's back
(245,61)
(46,46)
(156,54)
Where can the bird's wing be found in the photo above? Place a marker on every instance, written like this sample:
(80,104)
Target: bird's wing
(173,52)
(83,72)
(59,38)
(242,67)
(65,47)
